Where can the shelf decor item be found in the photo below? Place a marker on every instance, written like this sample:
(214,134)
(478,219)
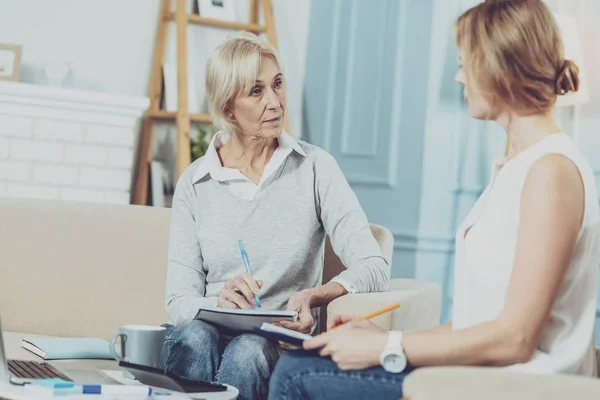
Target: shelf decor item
(10,62)
(217,9)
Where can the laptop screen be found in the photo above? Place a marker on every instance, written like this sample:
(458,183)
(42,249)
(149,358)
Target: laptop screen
(4,373)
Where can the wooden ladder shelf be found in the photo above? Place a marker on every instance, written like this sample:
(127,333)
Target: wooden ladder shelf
(182,117)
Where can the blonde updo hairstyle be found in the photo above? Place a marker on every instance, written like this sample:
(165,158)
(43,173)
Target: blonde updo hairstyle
(513,54)
(232,70)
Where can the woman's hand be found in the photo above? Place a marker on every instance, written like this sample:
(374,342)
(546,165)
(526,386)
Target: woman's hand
(239,292)
(301,303)
(355,346)
(340,320)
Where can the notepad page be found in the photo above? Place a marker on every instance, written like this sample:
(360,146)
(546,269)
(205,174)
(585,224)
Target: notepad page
(278,329)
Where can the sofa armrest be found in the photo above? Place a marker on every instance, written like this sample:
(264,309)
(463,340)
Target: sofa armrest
(420,305)
(475,383)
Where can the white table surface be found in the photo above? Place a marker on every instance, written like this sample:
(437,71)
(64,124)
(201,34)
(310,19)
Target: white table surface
(14,351)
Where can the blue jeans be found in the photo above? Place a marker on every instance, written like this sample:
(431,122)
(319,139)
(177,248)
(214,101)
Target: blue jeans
(304,375)
(197,350)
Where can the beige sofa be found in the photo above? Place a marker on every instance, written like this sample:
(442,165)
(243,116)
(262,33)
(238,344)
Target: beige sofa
(79,269)
(75,269)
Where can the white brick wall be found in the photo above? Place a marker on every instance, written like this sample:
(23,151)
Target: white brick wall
(48,159)
(55,175)
(35,150)
(105,178)
(15,171)
(120,158)
(4,148)
(32,191)
(68,145)
(112,135)
(86,154)
(94,196)
(58,130)
(15,126)
(117,197)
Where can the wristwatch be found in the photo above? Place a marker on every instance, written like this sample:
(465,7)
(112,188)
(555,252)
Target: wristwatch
(393,358)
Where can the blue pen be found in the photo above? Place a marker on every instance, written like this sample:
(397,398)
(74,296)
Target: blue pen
(248,270)
(117,390)
(61,387)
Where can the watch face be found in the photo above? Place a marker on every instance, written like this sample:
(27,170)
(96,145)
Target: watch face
(394,363)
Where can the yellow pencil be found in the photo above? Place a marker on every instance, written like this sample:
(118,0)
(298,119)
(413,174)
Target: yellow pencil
(373,314)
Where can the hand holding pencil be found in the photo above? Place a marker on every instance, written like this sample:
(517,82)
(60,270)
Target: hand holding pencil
(340,320)
(355,345)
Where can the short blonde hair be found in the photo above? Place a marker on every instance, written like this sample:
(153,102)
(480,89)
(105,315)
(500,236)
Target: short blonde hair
(232,69)
(514,55)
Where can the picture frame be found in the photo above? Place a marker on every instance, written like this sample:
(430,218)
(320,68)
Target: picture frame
(217,9)
(10,62)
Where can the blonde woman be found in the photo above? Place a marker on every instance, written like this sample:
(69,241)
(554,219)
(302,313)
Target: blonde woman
(526,255)
(280,197)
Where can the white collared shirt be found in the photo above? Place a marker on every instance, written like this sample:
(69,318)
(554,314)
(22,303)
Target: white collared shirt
(238,183)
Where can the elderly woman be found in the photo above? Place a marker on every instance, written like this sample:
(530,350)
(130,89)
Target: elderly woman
(280,197)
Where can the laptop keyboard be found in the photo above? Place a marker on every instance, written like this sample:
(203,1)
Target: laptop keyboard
(34,370)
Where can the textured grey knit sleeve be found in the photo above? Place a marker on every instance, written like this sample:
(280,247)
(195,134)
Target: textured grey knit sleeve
(348,228)
(186,284)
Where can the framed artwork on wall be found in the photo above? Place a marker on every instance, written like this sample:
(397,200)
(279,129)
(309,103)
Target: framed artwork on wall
(10,62)
(217,9)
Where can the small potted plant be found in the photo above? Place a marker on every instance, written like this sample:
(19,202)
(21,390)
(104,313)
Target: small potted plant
(201,141)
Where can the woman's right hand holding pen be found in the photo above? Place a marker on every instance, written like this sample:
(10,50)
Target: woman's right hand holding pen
(239,291)
(339,320)
(357,345)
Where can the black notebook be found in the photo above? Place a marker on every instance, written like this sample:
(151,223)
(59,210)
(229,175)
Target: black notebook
(235,321)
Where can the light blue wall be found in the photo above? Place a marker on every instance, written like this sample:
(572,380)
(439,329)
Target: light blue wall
(457,155)
(380,96)
(366,105)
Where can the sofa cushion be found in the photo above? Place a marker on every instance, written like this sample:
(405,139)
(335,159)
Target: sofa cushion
(466,383)
(80,269)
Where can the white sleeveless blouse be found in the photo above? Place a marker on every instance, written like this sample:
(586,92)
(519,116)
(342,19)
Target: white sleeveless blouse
(484,263)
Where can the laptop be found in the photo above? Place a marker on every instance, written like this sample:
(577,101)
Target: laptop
(20,372)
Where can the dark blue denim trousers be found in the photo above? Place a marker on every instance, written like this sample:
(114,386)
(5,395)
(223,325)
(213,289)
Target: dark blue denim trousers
(305,375)
(197,350)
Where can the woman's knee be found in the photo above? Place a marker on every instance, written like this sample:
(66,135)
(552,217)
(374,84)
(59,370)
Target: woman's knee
(262,352)
(190,340)
(192,349)
(305,375)
(193,333)
(288,372)
(283,372)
